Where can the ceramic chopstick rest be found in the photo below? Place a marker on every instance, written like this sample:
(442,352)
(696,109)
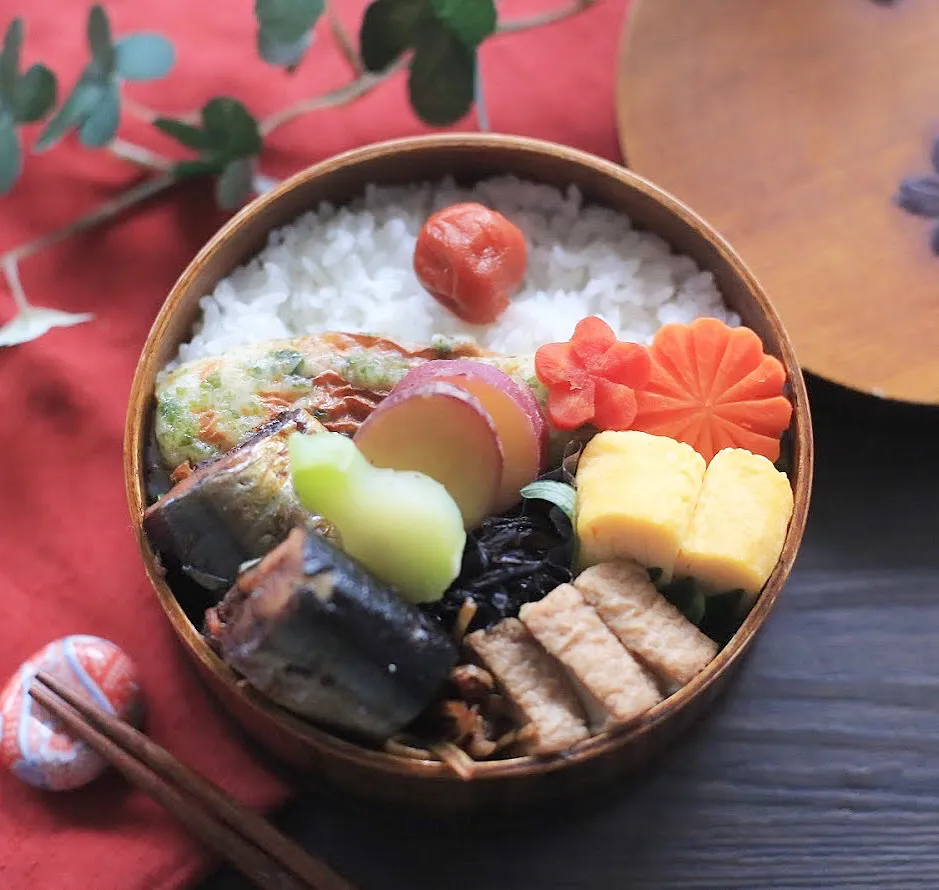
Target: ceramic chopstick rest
(33,744)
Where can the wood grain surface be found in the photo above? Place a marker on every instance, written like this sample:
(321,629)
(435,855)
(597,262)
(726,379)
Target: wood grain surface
(818,769)
(788,125)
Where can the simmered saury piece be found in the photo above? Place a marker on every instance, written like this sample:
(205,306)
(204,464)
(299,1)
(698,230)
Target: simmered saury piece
(311,629)
(234,508)
(614,687)
(535,683)
(204,407)
(645,622)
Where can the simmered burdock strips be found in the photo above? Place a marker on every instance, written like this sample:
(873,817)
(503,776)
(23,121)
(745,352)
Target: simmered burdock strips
(610,678)
(312,630)
(233,508)
(536,685)
(645,622)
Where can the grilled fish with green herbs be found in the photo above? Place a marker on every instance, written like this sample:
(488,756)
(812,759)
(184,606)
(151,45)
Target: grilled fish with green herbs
(234,508)
(205,407)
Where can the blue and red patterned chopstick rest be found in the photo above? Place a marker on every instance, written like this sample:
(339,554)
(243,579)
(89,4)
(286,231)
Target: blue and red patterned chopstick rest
(33,744)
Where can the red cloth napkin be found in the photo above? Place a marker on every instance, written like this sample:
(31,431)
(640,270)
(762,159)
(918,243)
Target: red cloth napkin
(69,562)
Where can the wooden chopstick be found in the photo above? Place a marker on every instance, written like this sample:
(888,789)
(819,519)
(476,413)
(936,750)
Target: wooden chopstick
(255,863)
(229,829)
(253,827)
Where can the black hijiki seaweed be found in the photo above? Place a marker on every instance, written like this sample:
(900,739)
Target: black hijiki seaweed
(512,559)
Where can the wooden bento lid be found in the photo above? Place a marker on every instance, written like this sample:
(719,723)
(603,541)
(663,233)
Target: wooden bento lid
(788,125)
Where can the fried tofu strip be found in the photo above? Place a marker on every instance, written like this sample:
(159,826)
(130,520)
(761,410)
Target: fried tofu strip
(535,683)
(645,622)
(570,630)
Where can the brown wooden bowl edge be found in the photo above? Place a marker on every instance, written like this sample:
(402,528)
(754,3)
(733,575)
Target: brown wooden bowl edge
(140,404)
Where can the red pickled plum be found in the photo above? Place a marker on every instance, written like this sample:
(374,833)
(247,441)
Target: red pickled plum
(471,260)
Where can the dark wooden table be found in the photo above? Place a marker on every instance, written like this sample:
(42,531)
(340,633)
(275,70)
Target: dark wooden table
(818,769)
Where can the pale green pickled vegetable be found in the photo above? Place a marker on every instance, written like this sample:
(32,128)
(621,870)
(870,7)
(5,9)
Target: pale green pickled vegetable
(404,527)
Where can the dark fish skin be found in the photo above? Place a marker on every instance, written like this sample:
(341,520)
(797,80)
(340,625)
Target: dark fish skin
(312,630)
(232,508)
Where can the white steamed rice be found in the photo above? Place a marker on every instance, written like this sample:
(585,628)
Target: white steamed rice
(350,269)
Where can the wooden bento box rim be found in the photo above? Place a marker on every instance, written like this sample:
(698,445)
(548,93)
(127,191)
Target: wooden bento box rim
(425,153)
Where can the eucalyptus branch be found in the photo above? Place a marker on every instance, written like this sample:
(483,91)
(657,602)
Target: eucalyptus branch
(348,92)
(365,82)
(136,194)
(12,273)
(148,115)
(139,155)
(345,43)
(226,140)
(140,111)
(513,26)
(31,321)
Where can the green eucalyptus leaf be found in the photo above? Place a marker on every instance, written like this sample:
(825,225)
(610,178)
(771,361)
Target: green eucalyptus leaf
(284,55)
(10,58)
(442,78)
(198,167)
(99,39)
(185,134)
(389,28)
(471,20)
(34,94)
(287,21)
(87,93)
(100,124)
(230,129)
(11,156)
(144,56)
(233,187)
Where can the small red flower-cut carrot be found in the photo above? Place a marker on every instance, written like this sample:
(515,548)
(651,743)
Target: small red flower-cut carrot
(614,406)
(593,337)
(555,363)
(713,387)
(570,405)
(591,379)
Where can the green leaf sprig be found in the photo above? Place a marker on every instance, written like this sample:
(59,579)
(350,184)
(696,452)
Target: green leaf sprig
(25,97)
(227,142)
(94,105)
(443,37)
(437,39)
(562,495)
(285,29)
